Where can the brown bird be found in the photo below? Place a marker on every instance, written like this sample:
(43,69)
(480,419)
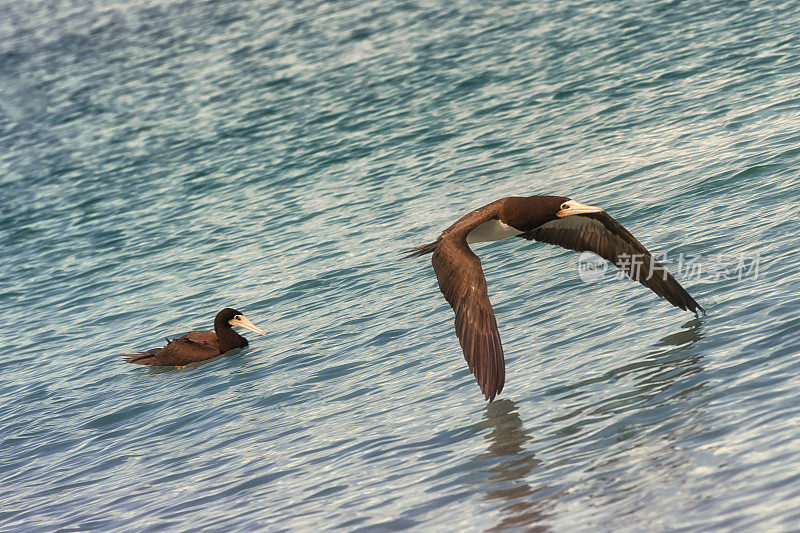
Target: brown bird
(199,345)
(551,219)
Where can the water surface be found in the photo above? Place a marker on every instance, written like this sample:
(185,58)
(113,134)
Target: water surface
(162,160)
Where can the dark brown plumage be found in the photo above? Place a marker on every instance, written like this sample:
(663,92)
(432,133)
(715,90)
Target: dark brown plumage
(199,345)
(551,219)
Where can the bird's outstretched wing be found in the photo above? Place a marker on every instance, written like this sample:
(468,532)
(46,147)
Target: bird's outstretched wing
(463,284)
(601,234)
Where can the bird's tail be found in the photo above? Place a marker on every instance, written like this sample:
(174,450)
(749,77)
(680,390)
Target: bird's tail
(420,250)
(146,357)
(141,358)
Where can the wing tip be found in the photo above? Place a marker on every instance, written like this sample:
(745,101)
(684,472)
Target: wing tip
(490,394)
(696,308)
(684,301)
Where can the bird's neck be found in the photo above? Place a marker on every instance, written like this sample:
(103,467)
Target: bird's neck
(529,212)
(227,338)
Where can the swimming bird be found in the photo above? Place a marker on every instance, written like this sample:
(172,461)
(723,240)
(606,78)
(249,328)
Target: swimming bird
(199,345)
(551,219)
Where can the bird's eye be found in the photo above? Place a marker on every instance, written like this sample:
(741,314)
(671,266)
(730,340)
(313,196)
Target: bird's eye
(564,206)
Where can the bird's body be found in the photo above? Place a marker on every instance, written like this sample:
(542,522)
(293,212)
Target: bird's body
(199,345)
(551,219)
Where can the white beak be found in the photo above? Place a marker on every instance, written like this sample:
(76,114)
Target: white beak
(575,208)
(243,322)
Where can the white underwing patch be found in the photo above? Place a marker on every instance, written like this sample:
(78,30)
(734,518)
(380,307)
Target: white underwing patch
(490,231)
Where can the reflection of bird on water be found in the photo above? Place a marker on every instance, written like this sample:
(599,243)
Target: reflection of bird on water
(526,507)
(551,219)
(662,367)
(200,345)
(507,442)
(673,359)
(508,435)
(659,379)
(689,334)
(658,362)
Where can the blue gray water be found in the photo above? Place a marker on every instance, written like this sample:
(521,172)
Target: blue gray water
(161,160)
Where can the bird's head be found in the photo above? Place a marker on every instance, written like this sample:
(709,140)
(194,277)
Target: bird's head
(233,317)
(571,207)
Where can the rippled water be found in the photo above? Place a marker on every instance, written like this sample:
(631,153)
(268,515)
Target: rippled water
(162,160)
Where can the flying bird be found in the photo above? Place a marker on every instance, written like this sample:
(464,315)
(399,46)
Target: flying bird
(551,219)
(200,345)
